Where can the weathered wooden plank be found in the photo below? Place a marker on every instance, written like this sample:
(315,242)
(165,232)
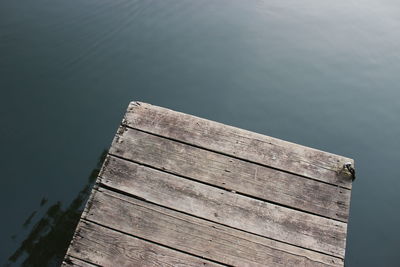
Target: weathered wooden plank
(233,174)
(228,208)
(239,143)
(196,236)
(92,243)
(72,262)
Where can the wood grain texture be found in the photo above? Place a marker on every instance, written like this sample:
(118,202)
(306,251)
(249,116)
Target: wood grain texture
(233,174)
(92,243)
(239,143)
(196,236)
(72,262)
(228,208)
(178,190)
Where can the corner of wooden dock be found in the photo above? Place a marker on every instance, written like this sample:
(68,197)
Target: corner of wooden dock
(179,190)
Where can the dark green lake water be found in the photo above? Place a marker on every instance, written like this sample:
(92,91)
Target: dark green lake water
(323,74)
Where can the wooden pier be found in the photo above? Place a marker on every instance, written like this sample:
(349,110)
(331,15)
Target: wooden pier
(178,190)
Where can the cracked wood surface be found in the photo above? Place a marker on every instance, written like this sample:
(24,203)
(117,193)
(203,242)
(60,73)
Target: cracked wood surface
(72,262)
(196,236)
(227,208)
(92,245)
(178,190)
(239,143)
(233,174)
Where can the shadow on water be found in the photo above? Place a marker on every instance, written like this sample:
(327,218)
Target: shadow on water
(49,238)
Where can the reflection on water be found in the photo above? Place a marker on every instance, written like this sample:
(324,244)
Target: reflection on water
(29,219)
(49,238)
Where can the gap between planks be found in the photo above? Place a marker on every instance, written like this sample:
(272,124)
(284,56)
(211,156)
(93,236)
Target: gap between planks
(163,196)
(237,142)
(93,241)
(228,208)
(223,171)
(195,236)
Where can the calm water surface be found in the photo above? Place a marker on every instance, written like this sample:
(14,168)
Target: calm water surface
(323,74)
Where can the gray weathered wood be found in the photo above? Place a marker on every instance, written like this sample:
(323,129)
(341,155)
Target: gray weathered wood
(178,190)
(233,174)
(72,262)
(228,208)
(196,236)
(239,143)
(92,241)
